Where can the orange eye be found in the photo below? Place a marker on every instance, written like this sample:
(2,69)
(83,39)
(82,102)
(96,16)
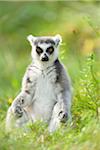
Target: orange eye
(50,50)
(39,50)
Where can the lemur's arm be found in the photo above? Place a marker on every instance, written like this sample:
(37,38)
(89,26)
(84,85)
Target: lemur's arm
(25,97)
(61,111)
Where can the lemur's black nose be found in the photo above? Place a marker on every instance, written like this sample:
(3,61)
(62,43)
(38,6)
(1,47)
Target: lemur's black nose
(45,58)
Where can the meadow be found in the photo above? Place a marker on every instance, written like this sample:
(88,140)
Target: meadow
(79,25)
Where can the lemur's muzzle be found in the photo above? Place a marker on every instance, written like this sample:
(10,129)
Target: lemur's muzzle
(44,58)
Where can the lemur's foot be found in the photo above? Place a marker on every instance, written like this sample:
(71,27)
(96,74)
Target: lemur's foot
(63,116)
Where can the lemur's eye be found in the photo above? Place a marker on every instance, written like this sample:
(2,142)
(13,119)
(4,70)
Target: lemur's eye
(39,50)
(50,50)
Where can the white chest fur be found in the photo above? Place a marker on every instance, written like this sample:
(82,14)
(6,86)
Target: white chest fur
(44,97)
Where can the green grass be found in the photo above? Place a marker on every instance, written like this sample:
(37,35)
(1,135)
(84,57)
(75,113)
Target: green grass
(78,23)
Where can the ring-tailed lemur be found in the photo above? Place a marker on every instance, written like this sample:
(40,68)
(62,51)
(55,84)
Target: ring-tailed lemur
(46,88)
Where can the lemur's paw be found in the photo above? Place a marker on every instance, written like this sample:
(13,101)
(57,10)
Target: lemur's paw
(18,111)
(63,116)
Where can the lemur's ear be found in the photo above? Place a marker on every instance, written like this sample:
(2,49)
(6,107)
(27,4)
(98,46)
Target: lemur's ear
(31,39)
(58,39)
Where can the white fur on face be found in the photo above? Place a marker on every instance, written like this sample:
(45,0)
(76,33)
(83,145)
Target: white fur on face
(44,46)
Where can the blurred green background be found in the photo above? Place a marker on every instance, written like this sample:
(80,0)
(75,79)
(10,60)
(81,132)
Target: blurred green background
(79,25)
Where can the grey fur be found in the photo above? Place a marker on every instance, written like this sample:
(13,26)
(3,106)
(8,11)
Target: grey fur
(45,94)
(44,40)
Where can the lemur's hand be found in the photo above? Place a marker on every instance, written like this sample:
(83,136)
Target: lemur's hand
(63,116)
(18,111)
(18,104)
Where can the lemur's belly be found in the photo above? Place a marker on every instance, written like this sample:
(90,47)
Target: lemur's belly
(45,99)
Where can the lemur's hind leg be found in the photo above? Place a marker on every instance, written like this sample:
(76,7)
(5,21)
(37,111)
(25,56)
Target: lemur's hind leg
(60,114)
(16,118)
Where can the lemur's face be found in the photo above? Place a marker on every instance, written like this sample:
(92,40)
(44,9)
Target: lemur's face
(44,49)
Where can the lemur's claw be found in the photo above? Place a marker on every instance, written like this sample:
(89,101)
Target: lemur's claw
(63,116)
(18,111)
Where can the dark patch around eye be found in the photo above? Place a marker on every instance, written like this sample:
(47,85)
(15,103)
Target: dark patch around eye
(50,50)
(39,50)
